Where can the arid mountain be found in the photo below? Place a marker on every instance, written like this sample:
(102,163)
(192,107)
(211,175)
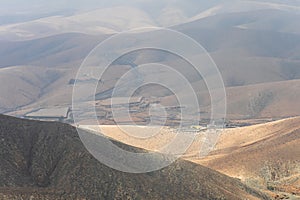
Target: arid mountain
(257,72)
(41,160)
(115,16)
(57,50)
(99,21)
(255,69)
(267,155)
(269,100)
(254,44)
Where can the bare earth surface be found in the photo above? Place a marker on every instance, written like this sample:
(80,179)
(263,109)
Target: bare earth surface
(47,161)
(266,156)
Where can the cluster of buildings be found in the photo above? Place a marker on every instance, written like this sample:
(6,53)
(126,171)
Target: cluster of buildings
(107,110)
(50,114)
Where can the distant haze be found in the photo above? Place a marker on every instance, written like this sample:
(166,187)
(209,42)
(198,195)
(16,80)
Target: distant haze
(17,7)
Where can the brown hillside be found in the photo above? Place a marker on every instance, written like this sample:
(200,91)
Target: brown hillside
(42,160)
(266,154)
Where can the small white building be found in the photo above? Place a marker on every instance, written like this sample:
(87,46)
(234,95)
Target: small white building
(50,114)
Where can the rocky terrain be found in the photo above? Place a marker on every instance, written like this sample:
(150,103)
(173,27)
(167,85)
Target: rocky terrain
(264,156)
(45,160)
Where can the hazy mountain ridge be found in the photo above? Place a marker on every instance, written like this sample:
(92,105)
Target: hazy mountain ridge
(238,52)
(107,19)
